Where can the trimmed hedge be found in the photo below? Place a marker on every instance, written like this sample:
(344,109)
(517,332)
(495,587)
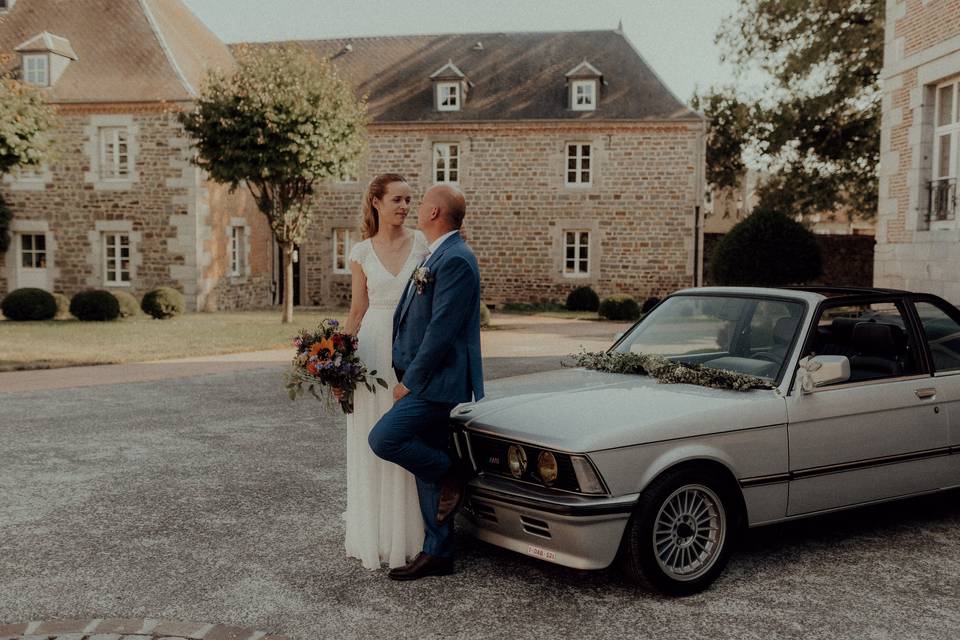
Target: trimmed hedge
(484,315)
(583,299)
(95,305)
(649,304)
(128,304)
(29,303)
(766,249)
(63,306)
(163,303)
(619,307)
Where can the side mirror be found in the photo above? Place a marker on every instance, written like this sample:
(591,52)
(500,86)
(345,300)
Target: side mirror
(820,371)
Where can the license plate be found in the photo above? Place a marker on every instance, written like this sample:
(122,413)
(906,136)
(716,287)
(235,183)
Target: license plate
(541,553)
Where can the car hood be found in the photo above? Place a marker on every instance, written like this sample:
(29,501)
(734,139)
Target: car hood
(578,410)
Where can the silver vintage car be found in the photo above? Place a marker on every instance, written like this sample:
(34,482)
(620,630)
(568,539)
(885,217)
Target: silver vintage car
(582,467)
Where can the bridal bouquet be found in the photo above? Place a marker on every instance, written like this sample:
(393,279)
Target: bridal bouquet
(326,360)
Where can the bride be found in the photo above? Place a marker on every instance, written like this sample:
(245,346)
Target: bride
(383,511)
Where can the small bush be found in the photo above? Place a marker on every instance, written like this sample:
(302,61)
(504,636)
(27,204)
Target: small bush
(95,305)
(128,304)
(532,307)
(484,315)
(649,304)
(619,307)
(63,306)
(163,302)
(583,299)
(29,304)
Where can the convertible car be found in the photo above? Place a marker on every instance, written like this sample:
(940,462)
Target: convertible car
(856,400)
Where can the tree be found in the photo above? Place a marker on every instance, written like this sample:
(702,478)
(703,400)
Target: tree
(819,123)
(280,122)
(766,249)
(25,122)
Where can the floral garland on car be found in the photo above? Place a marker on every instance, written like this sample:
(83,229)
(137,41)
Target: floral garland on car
(666,371)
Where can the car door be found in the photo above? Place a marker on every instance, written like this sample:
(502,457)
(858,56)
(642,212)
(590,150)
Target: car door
(940,322)
(879,435)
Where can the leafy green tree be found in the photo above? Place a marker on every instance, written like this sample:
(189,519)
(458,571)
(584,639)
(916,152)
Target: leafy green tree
(25,122)
(819,122)
(766,249)
(279,123)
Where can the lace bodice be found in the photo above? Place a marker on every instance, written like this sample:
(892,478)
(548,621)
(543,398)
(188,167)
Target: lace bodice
(384,288)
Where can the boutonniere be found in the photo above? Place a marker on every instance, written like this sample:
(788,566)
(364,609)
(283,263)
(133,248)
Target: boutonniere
(420,278)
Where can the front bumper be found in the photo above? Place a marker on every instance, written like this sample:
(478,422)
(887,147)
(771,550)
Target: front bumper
(582,532)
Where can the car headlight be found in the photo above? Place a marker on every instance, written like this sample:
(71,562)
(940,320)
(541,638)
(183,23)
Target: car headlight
(547,468)
(587,477)
(516,460)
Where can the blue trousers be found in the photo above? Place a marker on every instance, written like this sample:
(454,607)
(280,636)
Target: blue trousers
(415,434)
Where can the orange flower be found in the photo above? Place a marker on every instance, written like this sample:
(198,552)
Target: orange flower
(325,344)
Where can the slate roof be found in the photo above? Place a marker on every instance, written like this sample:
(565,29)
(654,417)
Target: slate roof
(513,76)
(127,50)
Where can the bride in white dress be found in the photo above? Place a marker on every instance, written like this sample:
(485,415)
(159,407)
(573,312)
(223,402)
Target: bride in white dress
(383,518)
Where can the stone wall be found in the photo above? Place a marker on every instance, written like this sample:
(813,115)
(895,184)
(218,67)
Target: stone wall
(639,209)
(174,218)
(847,259)
(922,49)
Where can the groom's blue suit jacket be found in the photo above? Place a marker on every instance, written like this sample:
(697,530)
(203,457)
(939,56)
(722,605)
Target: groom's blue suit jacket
(436,333)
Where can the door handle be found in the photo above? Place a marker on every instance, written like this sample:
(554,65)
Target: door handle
(929,392)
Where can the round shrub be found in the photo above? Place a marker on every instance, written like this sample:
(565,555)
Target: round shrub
(766,249)
(63,306)
(649,304)
(163,303)
(484,315)
(619,307)
(128,304)
(95,305)
(29,304)
(583,299)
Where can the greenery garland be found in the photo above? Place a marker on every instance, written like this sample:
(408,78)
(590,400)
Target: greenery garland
(668,372)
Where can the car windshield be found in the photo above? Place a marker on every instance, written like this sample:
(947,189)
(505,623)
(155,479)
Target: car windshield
(746,335)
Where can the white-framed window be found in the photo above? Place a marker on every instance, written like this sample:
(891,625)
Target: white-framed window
(448,96)
(342,243)
(446,162)
(946,154)
(116,259)
(33,251)
(238,250)
(584,95)
(36,69)
(576,253)
(579,169)
(114,153)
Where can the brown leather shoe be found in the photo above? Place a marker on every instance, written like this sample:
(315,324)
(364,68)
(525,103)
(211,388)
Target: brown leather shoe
(422,566)
(452,490)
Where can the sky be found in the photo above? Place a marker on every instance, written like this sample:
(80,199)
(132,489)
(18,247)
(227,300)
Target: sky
(675,37)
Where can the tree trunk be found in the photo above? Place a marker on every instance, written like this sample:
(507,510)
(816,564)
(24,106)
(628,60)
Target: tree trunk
(287,248)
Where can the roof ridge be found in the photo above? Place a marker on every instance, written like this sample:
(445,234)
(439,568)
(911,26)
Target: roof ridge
(167,52)
(425,35)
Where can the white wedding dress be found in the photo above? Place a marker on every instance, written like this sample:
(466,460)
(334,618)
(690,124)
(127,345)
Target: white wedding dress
(383,518)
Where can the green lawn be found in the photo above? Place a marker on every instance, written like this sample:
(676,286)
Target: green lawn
(58,343)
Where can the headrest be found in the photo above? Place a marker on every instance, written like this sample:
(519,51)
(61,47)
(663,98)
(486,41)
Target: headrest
(842,329)
(875,338)
(784,329)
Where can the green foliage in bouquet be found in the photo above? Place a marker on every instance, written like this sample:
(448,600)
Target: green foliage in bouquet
(668,372)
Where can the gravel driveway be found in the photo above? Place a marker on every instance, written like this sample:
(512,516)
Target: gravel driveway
(215,498)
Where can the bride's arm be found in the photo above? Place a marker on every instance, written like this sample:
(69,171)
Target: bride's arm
(359,302)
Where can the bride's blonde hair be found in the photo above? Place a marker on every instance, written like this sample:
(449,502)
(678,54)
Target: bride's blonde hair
(376,189)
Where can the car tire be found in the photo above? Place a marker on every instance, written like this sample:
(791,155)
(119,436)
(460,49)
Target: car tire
(697,517)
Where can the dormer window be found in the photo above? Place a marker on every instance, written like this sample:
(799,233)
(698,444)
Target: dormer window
(449,87)
(584,95)
(36,69)
(584,82)
(6,5)
(448,96)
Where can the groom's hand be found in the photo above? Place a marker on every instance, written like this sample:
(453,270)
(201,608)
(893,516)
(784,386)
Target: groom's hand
(399,392)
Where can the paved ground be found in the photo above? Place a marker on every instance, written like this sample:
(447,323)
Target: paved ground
(214,498)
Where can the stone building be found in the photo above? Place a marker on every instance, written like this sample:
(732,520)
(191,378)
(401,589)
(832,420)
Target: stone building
(578,164)
(119,207)
(918,231)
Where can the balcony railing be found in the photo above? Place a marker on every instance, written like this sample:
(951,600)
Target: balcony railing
(941,200)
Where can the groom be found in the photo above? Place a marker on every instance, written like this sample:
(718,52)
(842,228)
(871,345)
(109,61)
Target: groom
(436,355)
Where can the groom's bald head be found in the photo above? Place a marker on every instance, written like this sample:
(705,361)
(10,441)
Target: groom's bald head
(449,201)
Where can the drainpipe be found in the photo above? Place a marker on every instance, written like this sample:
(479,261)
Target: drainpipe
(698,207)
